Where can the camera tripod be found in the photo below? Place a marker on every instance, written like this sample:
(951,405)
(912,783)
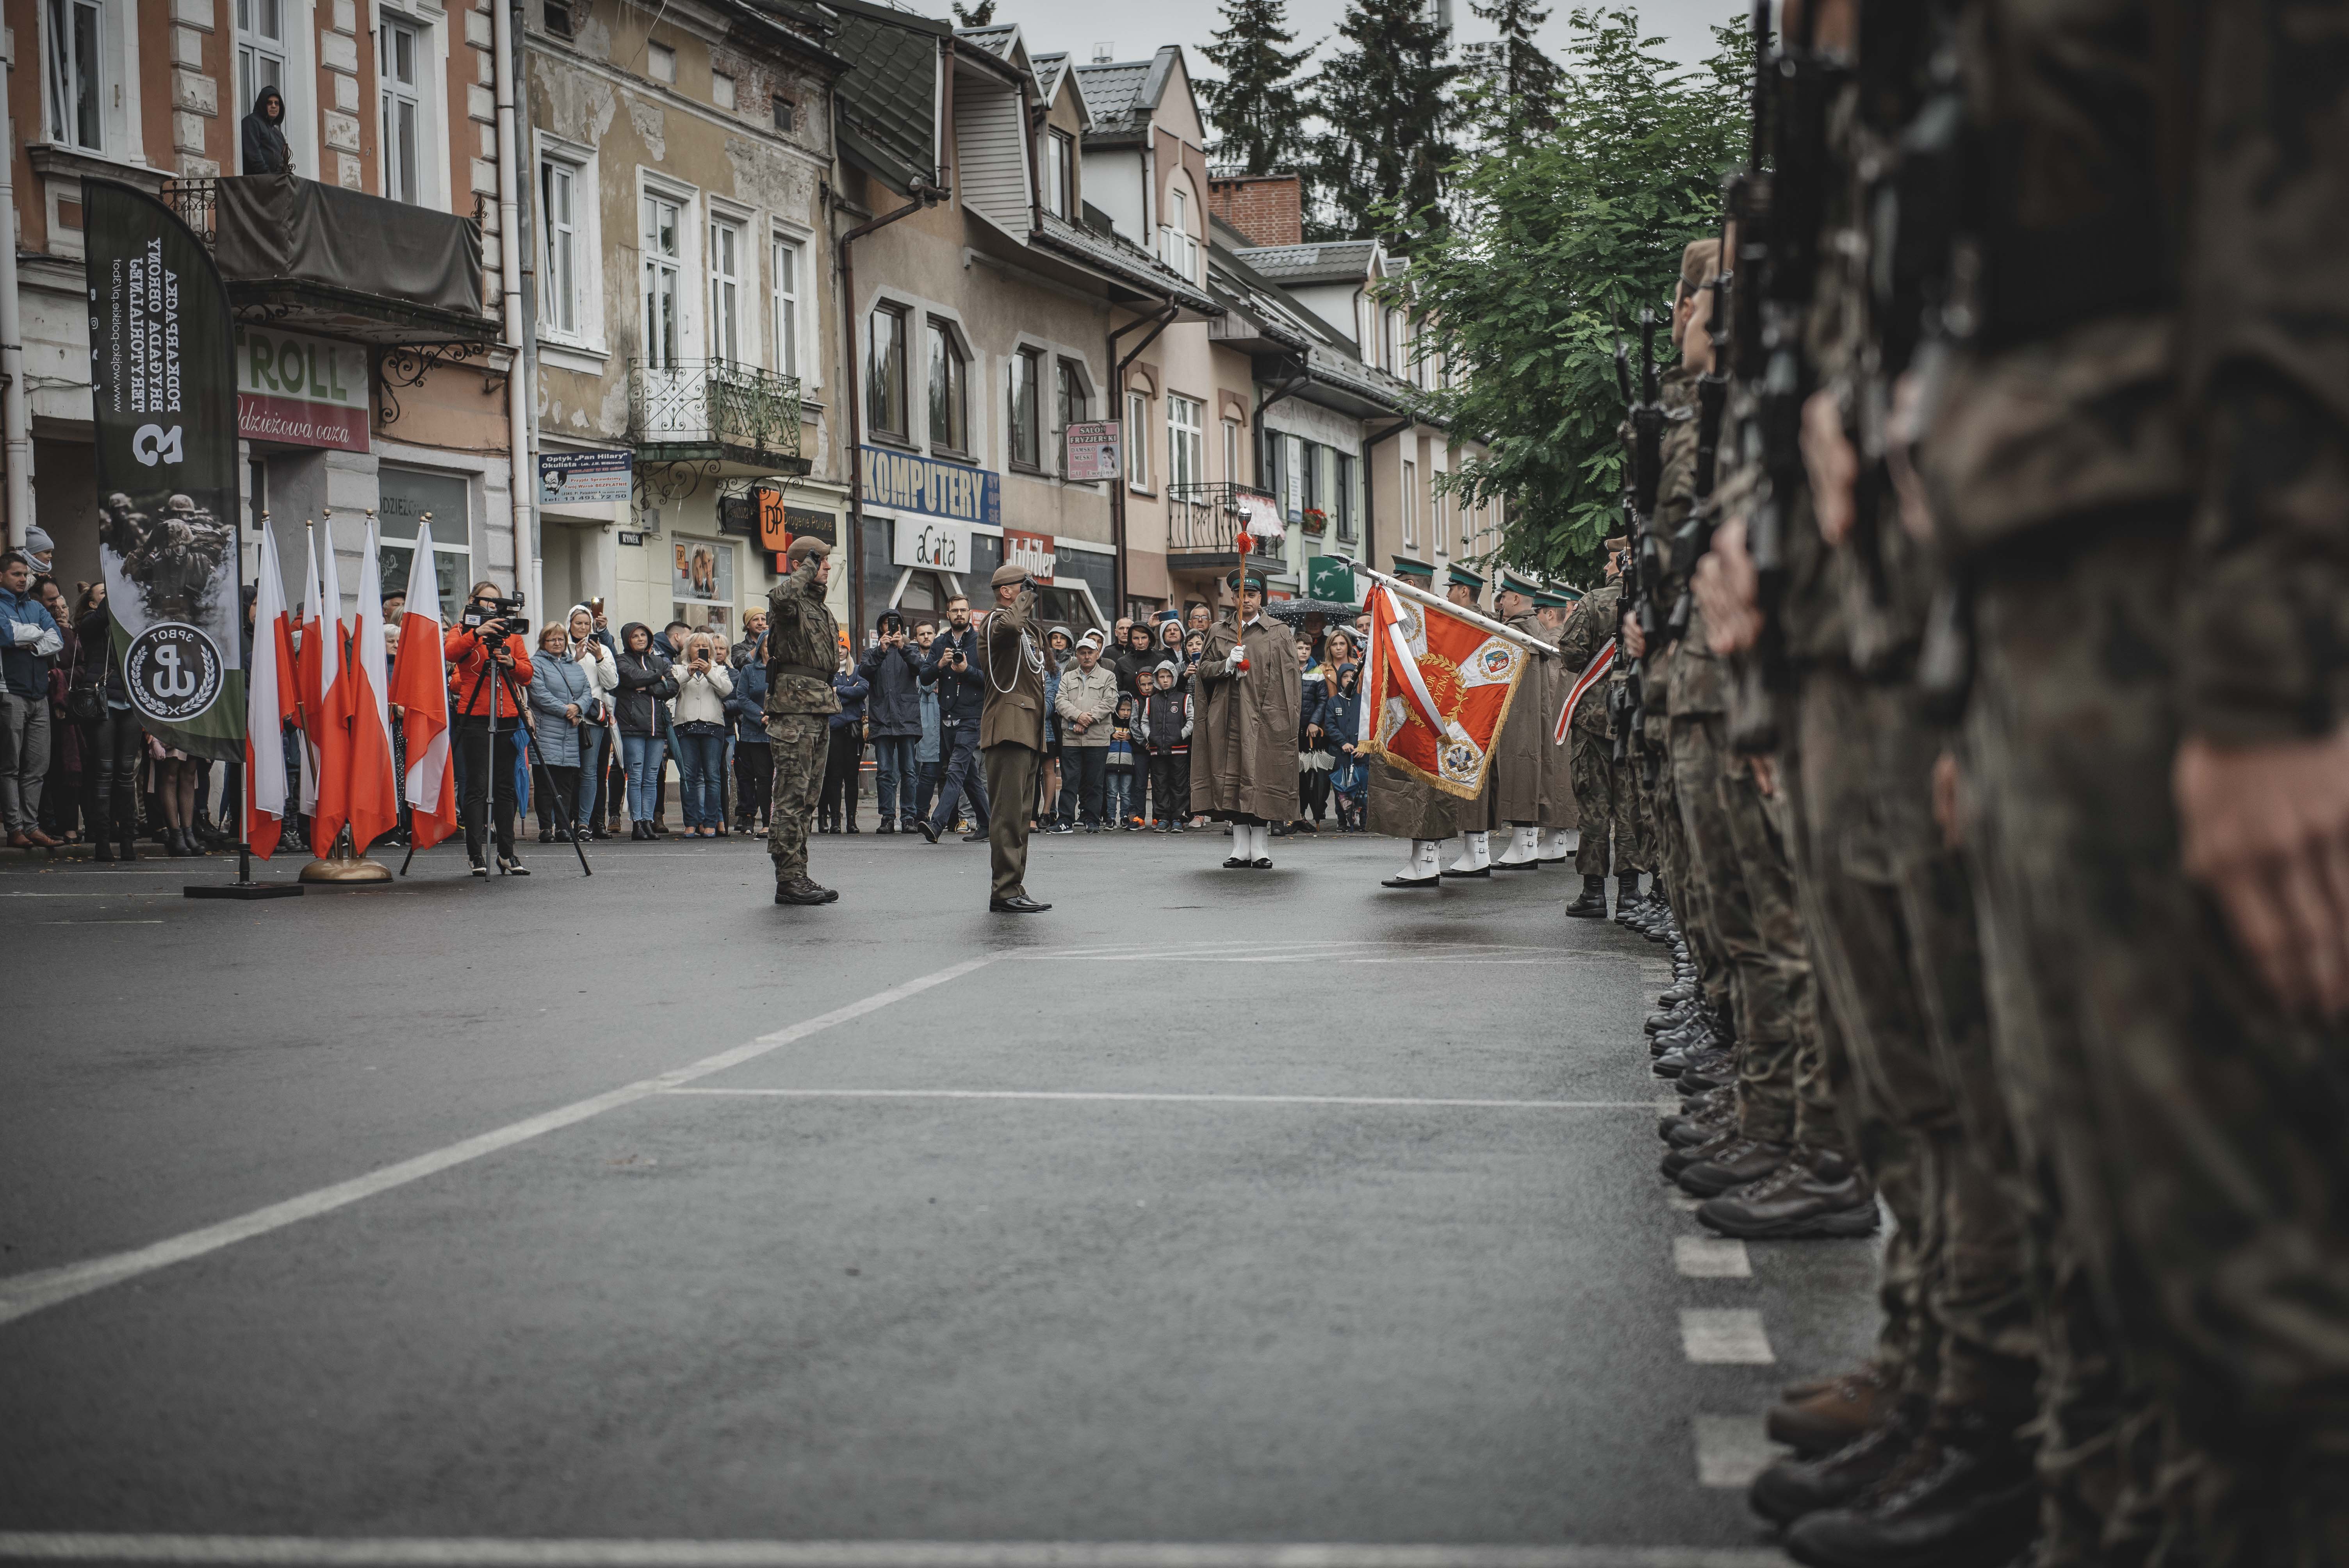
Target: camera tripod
(490,666)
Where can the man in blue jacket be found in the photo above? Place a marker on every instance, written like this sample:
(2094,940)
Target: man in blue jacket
(29,641)
(953,668)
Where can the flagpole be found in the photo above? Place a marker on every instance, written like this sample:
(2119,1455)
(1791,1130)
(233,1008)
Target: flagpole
(1497,628)
(245,887)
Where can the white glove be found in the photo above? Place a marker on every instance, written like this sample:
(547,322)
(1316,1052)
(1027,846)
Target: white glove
(46,642)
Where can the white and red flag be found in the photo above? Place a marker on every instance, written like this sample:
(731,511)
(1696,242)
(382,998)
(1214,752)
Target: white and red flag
(1439,689)
(373,790)
(307,640)
(325,701)
(420,689)
(1600,663)
(269,702)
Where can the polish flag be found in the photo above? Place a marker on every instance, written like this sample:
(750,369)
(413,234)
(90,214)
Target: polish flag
(270,701)
(419,688)
(306,669)
(374,782)
(329,701)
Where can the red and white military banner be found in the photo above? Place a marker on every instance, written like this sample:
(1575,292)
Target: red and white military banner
(1600,663)
(1438,690)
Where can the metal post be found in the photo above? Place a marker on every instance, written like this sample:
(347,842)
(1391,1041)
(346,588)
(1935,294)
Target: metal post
(14,433)
(523,478)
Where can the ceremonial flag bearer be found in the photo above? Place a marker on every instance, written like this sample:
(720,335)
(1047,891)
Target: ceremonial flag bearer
(1244,740)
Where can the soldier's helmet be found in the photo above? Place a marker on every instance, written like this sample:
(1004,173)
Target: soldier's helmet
(180,503)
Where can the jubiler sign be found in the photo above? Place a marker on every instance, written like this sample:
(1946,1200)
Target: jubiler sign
(164,398)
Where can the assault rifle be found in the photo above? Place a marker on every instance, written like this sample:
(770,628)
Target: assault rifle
(1694,537)
(1644,565)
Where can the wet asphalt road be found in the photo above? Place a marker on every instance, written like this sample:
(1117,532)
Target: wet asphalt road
(1208,1207)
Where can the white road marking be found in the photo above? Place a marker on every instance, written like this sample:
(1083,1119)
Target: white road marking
(1156,1098)
(1710,1257)
(1686,1202)
(28,1293)
(1731,1450)
(1669,1103)
(337,1552)
(1732,1337)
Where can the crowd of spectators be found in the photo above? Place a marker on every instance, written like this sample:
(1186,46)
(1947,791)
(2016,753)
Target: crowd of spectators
(614,714)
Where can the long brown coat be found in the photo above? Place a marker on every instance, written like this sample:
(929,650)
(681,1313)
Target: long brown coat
(1244,740)
(1515,775)
(1558,807)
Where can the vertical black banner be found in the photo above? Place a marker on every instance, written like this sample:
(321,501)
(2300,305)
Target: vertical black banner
(163,390)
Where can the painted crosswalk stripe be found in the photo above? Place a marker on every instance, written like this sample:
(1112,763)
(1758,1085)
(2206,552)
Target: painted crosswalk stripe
(1710,1257)
(1731,1450)
(1726,1337)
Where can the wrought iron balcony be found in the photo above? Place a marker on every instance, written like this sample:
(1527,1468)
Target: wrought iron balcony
(737,418)
(1204,527)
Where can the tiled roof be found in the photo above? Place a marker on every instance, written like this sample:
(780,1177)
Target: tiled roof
(1345,259)
(1052,70)
(1113,92)
(1136,267)
(996,40)
(886,98)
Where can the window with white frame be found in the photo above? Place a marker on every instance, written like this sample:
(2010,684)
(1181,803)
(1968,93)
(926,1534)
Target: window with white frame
(1069,403)
(1178,246)
(1137,440)
(260,56)
(1395,344)
(1232,475)
(1343,494)
(1027,395)
(884,372)
(784,305)
(1187,457)
(399,71)
(1435,502)
(1410,504)
(566,249)
(728,334)
(76,67)
(949,391)
(661,244)
(1060,174)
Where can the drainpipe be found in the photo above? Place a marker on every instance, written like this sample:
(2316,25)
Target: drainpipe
(18,439)
(1157,323)
(527,224)
(1371,491)
(523,476)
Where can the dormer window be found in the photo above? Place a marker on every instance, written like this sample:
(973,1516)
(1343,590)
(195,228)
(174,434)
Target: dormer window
(1061,174)
(1178,246)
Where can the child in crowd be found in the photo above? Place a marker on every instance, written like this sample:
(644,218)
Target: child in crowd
(1163,728)
(1349,778)
(1119,767)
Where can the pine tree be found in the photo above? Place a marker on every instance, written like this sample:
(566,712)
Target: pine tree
(1385,98)
(980,16)
(1520,80)
(1254,107)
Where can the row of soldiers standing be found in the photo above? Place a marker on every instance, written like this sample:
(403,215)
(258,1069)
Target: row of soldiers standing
(1990,602)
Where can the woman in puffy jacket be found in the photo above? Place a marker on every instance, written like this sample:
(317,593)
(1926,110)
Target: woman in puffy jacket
(561,709)
(645,684)
(704,682)
(592,653)
(845,752)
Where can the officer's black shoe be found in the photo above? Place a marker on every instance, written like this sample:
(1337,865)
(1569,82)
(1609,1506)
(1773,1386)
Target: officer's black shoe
(927,828)
(1237,863)
(800,890)
(1592,905)
(1815,1195)
(887,826)
(1018,903)
(1792,1488)
(1963,1495)
(1732,1165)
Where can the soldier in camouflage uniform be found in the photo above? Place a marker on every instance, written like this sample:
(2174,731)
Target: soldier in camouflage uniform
(1600,799)
(2141,461)
(803,653)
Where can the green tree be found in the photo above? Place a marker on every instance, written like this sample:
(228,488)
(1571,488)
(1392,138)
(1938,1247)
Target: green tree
(1385,99)
(980,16)
(1254,106)
(1516,72)
(1559,240)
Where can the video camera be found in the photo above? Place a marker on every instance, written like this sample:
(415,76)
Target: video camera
(479,615)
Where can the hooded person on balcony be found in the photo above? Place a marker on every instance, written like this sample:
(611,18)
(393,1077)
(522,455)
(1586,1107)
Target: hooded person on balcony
(263,136)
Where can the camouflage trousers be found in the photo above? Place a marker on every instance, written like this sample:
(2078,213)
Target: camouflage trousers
(1679,868)
(1604,795)
(2194,1130)
(1742,878)
(800,742)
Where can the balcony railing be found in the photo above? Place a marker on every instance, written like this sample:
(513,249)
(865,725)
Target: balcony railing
(1203,526)
(714,409)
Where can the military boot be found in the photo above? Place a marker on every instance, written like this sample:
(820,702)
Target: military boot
(1701,1029)
(1814,1194)
(1792,1488)
(1592,905)
(1964,1493)
(1672,1017)
(1703,1105)
(1733,1164)
(1628,899)
(1823,1418)
(801,889)
(1709,1070)
(1678,1160)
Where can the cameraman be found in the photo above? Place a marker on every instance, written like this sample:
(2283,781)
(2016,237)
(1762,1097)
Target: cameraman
(952,667)
(893,670)
(489,628)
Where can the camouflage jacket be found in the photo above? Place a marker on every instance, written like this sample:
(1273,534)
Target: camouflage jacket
(1588,629)
(803,646)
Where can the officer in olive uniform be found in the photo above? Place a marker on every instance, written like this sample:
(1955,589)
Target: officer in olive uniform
(1011,732)
(803,653)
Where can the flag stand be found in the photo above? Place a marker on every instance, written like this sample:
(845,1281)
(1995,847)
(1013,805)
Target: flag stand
(345,865)
(244,886)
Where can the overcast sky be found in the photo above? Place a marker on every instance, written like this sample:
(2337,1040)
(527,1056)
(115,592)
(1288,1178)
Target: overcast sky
(1076,25)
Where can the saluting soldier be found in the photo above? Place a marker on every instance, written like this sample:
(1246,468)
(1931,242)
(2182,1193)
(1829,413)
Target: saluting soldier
(1244,740)
(1515,778)
(1403,807)
(1463,586)
(803,652)
(1011,734)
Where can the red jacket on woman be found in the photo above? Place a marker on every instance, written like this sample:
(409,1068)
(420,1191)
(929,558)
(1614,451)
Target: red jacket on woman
(463,651)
